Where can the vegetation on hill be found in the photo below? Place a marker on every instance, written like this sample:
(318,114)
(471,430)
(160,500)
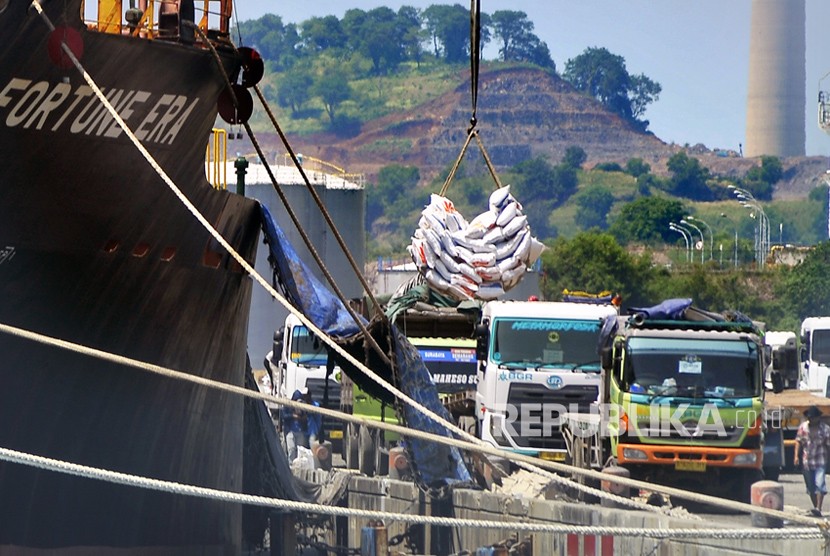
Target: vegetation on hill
(608,225)
(334,74)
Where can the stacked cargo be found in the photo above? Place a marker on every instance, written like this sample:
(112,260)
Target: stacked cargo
(481,259)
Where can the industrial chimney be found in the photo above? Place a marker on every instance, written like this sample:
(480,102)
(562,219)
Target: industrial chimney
(775,120)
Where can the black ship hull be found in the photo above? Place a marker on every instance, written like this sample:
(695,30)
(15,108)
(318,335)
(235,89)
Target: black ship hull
(95,249)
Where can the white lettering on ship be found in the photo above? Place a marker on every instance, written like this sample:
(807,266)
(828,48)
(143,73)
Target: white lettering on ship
(54,107)
(6,254)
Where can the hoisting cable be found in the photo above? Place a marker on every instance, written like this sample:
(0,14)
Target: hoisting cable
(479,445)
(221,240)
(475,64)
(368,337)
(367,288)
(475,56)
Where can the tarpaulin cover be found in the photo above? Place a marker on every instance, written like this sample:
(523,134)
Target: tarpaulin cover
(437,464)
(670,309)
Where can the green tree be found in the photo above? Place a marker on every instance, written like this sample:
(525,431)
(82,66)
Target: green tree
(333,88)
(806,287)
(277,43)
(294,89)
(377,35)
(602,75)
(412,34)
(595,262)
(592,207)
(636,167)
(449,27)
(510,27)
(689,178)
(323,33)
(759,180)
(647,220)
(574,157)
(642,92)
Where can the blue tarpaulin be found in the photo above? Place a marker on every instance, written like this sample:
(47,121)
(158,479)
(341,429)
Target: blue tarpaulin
(437,464)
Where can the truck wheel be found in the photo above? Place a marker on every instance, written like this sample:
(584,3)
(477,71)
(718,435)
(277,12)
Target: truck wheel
(350,446)
(381,454)
(366,452)
(469,425)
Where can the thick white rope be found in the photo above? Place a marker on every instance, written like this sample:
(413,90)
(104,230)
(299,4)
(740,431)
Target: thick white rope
(256,276)
(485,449)
(277,503)
(473,443)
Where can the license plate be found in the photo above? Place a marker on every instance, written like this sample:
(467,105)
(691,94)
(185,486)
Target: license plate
(552,456)
(690,466)
(336,434)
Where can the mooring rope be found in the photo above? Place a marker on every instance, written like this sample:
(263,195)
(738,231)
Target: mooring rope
(278,503)
(473,443)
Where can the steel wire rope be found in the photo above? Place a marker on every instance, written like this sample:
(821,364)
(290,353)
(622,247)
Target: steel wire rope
(242,262)
(324,269)
(258,278)
(474,444)
(276,295)
(475,65)
(218,237)
(306,507)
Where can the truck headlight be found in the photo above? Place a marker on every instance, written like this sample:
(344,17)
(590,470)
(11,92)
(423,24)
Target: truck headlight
(746,459)
(634,453)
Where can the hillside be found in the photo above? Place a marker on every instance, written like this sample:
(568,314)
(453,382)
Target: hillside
(522,113)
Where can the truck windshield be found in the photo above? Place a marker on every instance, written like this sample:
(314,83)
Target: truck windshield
(821,347)
(692,367)
(306,348)
(554,343)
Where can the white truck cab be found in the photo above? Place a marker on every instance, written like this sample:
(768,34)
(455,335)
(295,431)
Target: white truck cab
(298,361)
(815,354)
(537,360)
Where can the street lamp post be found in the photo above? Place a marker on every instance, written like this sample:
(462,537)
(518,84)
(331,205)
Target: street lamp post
(702,239)
(711,235)
(746,199)
(724,215)
(691,246)
(682,232)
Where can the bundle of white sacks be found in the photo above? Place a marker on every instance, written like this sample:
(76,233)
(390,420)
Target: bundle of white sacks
(482,259)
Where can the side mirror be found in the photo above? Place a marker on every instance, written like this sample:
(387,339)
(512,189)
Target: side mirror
(777,382)
(606,357)
(482,340)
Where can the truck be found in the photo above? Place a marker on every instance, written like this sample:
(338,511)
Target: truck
(536,361)
(815,355)
(783,370)
(451,363)
(299,360)
(681,400)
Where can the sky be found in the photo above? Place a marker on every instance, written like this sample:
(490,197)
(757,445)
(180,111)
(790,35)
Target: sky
(698,50)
